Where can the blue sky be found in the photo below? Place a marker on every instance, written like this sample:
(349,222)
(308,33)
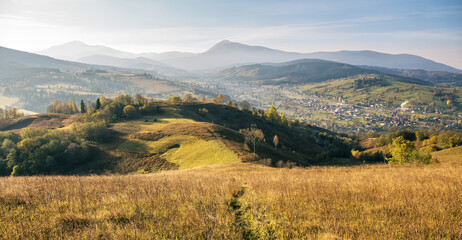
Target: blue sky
(429,28)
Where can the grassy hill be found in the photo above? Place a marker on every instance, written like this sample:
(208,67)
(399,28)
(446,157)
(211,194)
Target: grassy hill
(386,90)
(296,72)
(438,78)
(180,136)
(301,71)
(199,134)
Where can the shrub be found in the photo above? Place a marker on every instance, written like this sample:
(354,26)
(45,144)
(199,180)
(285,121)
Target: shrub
(92,131)
(174,99)
(130,111)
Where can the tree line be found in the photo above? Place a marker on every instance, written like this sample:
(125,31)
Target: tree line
(10,113)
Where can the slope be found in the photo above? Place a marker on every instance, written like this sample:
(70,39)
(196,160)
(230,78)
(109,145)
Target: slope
(25,59)
(176,136)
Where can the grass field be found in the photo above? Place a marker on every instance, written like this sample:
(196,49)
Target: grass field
(185,151)
(181,148)
(239,201)
(451,155)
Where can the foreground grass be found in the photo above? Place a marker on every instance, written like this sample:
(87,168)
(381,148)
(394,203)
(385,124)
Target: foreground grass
(238,201)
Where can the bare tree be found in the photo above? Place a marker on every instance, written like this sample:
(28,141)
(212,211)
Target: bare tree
(253,136)
(276,141)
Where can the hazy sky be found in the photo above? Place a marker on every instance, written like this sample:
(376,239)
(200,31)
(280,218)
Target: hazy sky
(429,28)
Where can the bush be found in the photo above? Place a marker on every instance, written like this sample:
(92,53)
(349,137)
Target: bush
(455,140)
(175,99)
(92,131)
(130,111)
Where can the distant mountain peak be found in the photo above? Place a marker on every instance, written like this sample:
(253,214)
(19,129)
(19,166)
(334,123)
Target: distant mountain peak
(75,43)
(227,46)
(224,42)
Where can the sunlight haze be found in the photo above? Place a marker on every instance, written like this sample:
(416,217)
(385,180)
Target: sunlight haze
(431,29)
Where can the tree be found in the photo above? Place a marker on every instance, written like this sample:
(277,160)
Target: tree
(130,111)
(188,98)
(284,121)
(140,100)
(276,141)
(98,104)
(203,99)
(221,98)
(245,105)
(104,101)
(273,115)
(253,136)
(55,107)
(403,151)
(174,99)
(82,107)
(231,104)
(124,99)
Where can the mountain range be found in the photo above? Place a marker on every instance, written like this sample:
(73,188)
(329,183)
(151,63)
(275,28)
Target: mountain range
(228,54)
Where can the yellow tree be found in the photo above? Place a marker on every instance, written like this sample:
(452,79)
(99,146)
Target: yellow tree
(284,121)
(273,115)
(221,98)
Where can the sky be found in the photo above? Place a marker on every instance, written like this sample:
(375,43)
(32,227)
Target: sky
(428,28)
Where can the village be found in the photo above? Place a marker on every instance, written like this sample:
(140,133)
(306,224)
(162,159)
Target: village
(335,113)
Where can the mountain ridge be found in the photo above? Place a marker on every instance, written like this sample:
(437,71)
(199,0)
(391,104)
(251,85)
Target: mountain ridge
(227,53)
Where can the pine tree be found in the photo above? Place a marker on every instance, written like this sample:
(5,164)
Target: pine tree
(98,104)
(82,107)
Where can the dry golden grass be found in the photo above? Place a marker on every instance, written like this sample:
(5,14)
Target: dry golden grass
(237,201)
(450,155)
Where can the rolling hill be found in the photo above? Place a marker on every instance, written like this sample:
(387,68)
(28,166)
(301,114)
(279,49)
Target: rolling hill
(297,72)
(439,78)
(133,63)
(187,135)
